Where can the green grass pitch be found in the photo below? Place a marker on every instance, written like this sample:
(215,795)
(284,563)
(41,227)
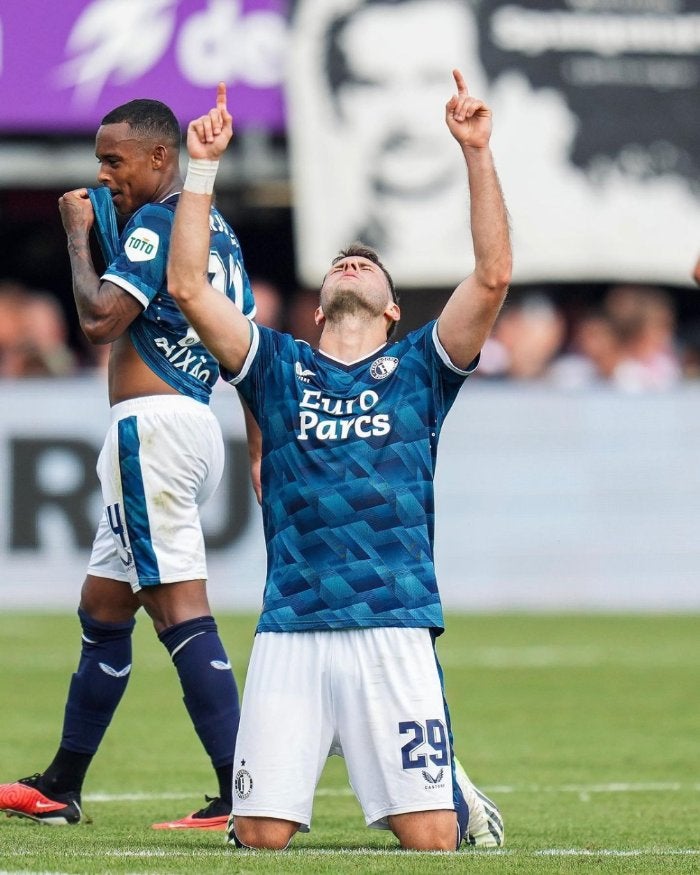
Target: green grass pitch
(584,729)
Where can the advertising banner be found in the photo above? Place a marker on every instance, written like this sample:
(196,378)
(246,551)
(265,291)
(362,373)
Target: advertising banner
(544,500)
(64,65)
(596,135)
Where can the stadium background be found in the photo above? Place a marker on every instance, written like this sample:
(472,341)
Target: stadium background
(549,499)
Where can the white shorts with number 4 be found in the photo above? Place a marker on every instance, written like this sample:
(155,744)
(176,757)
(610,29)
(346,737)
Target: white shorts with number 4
(162,458)
(373,696)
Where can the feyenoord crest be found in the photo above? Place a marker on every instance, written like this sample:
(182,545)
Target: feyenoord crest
(243,784)
(382,367)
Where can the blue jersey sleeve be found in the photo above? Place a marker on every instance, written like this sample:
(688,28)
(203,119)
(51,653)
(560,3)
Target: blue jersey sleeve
(141,264)
(443,377)
(268,348)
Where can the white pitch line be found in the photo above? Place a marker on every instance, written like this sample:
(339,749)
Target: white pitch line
(613,852)
(150,797)
(135,797)
(614,787)
(348,853)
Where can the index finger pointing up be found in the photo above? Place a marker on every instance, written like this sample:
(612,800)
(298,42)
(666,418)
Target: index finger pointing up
(221,96)
(460,82)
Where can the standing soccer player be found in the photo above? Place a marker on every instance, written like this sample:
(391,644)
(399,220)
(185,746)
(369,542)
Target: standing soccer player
(344,657)
(162,459)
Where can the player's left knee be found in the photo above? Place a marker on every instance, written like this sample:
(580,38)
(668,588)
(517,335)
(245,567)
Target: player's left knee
(264,833)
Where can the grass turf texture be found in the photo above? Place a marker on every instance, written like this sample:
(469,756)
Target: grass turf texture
(584,730)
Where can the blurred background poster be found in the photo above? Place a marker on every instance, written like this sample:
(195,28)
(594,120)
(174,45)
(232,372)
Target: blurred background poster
(64,65)
(597,134)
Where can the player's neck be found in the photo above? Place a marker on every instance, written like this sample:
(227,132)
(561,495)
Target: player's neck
(352,339)
(173,186)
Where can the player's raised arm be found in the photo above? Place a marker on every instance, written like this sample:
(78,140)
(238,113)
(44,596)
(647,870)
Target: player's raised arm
(469,314)
(223,329)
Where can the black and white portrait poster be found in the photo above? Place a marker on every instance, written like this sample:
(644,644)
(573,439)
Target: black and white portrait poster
(596,109)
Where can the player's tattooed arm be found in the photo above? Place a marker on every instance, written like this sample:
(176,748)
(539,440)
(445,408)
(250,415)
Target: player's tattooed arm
(104,310)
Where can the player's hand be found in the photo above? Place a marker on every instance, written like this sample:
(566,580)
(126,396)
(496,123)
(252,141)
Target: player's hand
(76,211)
(467,117)
(209,135)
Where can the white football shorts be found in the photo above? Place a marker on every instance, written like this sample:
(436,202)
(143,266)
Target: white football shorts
(162,459)
(373,696)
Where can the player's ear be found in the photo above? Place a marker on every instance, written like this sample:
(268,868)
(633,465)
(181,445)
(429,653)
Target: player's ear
(159,156)
(319,317)
(393,312)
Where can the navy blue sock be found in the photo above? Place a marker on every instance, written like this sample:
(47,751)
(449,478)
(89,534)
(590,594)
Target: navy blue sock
(95,690)
(224,775)
(64,777)
(210,692)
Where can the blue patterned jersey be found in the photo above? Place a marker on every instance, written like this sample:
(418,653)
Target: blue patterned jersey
(349,456)
(161,334)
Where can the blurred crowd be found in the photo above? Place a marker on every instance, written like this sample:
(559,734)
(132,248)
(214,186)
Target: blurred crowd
(628,338)
(33,334)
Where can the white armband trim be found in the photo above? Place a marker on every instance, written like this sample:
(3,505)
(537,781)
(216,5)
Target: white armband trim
(447,361)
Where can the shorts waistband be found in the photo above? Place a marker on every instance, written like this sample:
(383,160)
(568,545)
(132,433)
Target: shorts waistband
(174,403)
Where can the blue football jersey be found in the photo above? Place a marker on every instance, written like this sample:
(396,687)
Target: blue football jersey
(161,334)
(349,453)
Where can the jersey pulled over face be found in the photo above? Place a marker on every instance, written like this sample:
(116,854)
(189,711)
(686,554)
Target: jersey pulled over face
(126,167)
(349,453)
